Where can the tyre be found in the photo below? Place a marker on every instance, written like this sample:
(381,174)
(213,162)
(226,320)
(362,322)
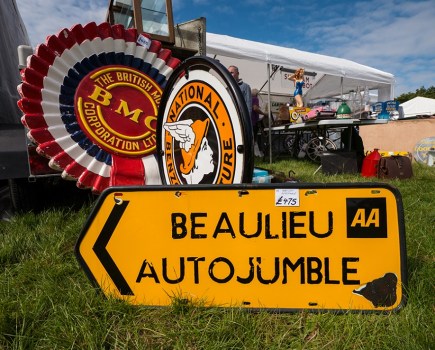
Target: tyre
(317,146)
(23,195)
(292,144)
(51,192)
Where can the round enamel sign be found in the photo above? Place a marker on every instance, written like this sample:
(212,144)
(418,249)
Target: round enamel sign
(204,132)
(422,148)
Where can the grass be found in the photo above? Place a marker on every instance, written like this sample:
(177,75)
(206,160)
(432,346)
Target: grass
(47,302)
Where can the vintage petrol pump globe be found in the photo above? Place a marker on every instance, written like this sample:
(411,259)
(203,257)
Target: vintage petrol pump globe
(344,111)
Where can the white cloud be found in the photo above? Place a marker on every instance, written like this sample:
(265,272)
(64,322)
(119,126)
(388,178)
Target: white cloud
(394,36)
(47,17)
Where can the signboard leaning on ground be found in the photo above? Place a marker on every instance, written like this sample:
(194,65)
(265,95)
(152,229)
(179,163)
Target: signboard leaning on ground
(308,246)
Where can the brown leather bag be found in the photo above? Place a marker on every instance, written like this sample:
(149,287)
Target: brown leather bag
(395,167)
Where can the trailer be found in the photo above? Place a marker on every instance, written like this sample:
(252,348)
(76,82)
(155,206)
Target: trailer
(24,174)
(28,179)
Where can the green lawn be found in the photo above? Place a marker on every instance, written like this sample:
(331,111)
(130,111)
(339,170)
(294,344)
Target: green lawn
(47,302)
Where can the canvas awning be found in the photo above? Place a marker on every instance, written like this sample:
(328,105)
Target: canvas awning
(336,75)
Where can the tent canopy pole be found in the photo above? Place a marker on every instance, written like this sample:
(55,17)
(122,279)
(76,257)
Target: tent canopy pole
(269,114)
(274,70)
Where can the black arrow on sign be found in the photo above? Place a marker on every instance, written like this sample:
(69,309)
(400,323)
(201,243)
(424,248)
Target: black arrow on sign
(100,249)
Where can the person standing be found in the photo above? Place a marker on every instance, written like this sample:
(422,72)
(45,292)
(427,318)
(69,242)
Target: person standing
(256,122)
(245,88)
(298,80)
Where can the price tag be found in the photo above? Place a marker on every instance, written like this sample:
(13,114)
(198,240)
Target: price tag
(286,197)
(144,41)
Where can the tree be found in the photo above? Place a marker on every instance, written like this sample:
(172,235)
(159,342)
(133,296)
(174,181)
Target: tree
(422,92)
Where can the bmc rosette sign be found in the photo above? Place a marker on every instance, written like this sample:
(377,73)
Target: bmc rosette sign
(90,97)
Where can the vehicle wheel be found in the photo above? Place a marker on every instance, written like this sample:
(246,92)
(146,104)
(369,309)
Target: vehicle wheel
(317,146)
(47,193)
(22,193)
(292,144)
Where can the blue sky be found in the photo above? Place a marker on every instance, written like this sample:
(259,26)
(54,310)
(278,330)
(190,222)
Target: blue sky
(395,36)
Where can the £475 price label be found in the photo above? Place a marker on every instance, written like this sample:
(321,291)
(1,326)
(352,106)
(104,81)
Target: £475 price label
(286,197)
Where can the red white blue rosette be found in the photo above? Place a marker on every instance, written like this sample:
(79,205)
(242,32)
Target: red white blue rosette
(48,89)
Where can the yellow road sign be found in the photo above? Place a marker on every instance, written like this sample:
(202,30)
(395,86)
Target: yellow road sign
(278,247)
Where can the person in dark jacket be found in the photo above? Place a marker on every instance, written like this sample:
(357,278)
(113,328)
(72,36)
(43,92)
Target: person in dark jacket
(245,88)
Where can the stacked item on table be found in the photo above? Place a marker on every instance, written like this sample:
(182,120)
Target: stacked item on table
(320,113)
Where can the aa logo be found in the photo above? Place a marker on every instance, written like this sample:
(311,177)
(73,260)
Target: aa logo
(366,218)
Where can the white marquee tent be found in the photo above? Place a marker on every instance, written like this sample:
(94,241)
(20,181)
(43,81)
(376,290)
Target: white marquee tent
(325,76)
(417,106)
(334,76)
